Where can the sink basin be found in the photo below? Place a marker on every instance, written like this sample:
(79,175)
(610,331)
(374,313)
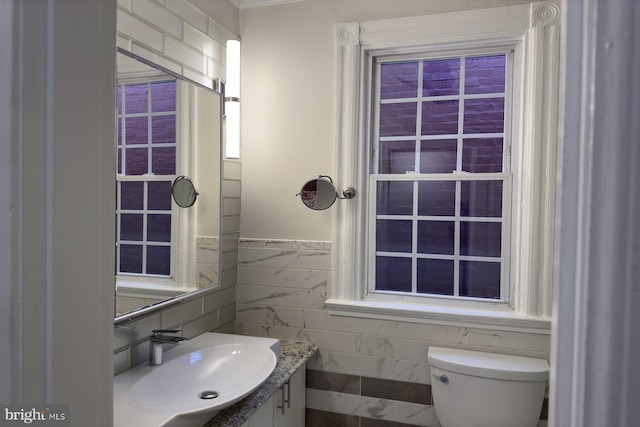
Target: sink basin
(196,381)
(230,371)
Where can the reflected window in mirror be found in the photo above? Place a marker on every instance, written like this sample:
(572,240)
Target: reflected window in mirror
(166,127)
(147,150)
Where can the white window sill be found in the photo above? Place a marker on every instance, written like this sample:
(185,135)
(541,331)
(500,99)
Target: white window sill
(125,288)
(437,315)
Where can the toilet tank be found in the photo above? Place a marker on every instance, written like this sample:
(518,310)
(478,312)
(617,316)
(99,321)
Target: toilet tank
(477,389)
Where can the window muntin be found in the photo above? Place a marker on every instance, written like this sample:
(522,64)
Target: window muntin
(146,153)
(440,177)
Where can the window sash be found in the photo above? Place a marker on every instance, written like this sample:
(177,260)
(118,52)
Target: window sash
(457,218)
(144,241)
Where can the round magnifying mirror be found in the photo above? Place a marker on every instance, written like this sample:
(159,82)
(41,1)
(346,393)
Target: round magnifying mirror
(318,193)
(184,192)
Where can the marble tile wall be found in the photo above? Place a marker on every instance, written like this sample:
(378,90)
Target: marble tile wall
(207,261)
(215,312)
(282,287)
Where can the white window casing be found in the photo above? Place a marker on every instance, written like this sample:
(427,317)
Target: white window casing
(532,31)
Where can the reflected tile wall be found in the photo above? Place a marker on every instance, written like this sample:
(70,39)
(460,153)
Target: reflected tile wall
(207,264)
(281,293)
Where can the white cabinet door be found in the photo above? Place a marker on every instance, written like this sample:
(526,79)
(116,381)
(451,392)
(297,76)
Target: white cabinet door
(291,412)
(263,417)
(272,414)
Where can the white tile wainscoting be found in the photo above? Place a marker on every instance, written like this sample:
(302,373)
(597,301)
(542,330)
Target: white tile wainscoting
(282,286)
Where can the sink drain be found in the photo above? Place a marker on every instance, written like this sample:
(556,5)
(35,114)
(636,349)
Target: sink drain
(208,394)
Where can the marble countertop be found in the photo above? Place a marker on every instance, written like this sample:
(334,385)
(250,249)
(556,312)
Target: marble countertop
(293,354)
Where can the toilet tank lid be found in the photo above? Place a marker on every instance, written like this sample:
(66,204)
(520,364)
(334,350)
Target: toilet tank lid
(488,365)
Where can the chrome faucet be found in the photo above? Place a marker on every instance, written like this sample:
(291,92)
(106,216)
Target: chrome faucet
(155,344)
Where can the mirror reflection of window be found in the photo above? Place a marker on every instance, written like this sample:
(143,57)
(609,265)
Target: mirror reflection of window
(146,153)
(166,127)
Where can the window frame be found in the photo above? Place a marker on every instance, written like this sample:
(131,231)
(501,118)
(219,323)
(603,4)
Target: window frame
(374,61)
(182,227)
(532,31)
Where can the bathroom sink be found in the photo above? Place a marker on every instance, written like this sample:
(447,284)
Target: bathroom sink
(213,377)
(194,383)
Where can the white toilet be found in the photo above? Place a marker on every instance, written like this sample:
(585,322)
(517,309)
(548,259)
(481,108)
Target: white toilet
(476,389)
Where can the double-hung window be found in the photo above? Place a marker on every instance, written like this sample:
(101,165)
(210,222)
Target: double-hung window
(146,168)
(440,177)
(446,126)
(153,236)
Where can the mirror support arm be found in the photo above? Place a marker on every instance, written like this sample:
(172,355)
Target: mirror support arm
(348,193)
(320,193)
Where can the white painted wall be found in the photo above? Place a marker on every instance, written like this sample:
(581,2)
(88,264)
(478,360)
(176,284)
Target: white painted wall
(288,104)
(206,128)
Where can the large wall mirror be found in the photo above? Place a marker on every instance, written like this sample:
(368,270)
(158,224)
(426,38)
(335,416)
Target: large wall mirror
(167,128)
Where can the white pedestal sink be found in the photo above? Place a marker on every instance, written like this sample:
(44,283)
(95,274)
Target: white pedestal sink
(197,379)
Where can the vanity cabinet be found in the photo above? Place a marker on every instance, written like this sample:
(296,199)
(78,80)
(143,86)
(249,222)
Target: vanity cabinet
(290,413)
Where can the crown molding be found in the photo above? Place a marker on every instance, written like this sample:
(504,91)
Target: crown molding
(247,4)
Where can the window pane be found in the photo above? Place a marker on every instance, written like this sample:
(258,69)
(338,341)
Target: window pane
(480,279)
(159,196)
(159,227)
(435,276)
(484,115)
(164,160)
(438,156)
(481,198)
(397,156)
(435,237)
(119,160)
(440,117)
(119,99)
(399,80)
(482,155)
(136,98)
(131,195)
(441,77)
(119,131)
(393,235)
(398,119)
(395,198)
(163,130)
(137,130)
(480,238)
(137,161)
(163,96)
(393,274)
(485,74)
(159,260)
(131,227)
(130,258)
(436,198)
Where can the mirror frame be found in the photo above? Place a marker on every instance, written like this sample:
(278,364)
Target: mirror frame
(177,192)
(327,183)
(218,88)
